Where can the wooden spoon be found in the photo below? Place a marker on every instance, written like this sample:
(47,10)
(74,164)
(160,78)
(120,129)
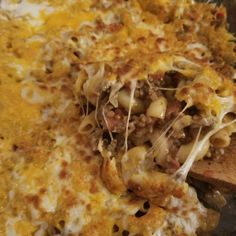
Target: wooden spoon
(222,172)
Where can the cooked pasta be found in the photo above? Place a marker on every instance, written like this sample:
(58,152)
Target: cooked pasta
(161,150)
(88,124)
(82,76)
(157,108)
(182,122)
(185,150)
(221,139)
(137,105)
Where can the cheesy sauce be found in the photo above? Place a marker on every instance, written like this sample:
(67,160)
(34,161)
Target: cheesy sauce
(52,181)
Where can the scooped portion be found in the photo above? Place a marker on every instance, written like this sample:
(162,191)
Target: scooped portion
(154,107)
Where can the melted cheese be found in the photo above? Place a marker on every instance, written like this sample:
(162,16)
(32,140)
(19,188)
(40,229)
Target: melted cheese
(23,8)
(227,106)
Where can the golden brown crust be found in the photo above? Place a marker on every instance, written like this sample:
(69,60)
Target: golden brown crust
(111,177)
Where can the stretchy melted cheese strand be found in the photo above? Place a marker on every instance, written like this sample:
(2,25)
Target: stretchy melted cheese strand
(157,142)
(132,90)
(87,107)
(96,111)
(160,88)
(113,100)
(159,154)
(167,89)
(113,97)
(105,119)
(228,106)
(181,174)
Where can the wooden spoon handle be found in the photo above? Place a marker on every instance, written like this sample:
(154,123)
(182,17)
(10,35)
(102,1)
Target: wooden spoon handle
(221,173)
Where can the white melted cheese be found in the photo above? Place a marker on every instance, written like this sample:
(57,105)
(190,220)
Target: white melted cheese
(85,43)
(77,218)
(185,218)
(33,96)
(227,106)
(20,69)
(10,226)
(42,229)
(106,3)
(61,139)
(10,231)
(234,76)
(35,213)
(158,31)
(49,200)
(196,45)
(197,49)
(23,7)
(55,184)
(109,18)
(26,8)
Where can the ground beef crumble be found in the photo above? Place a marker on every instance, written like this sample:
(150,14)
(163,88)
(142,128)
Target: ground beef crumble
(113,120)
